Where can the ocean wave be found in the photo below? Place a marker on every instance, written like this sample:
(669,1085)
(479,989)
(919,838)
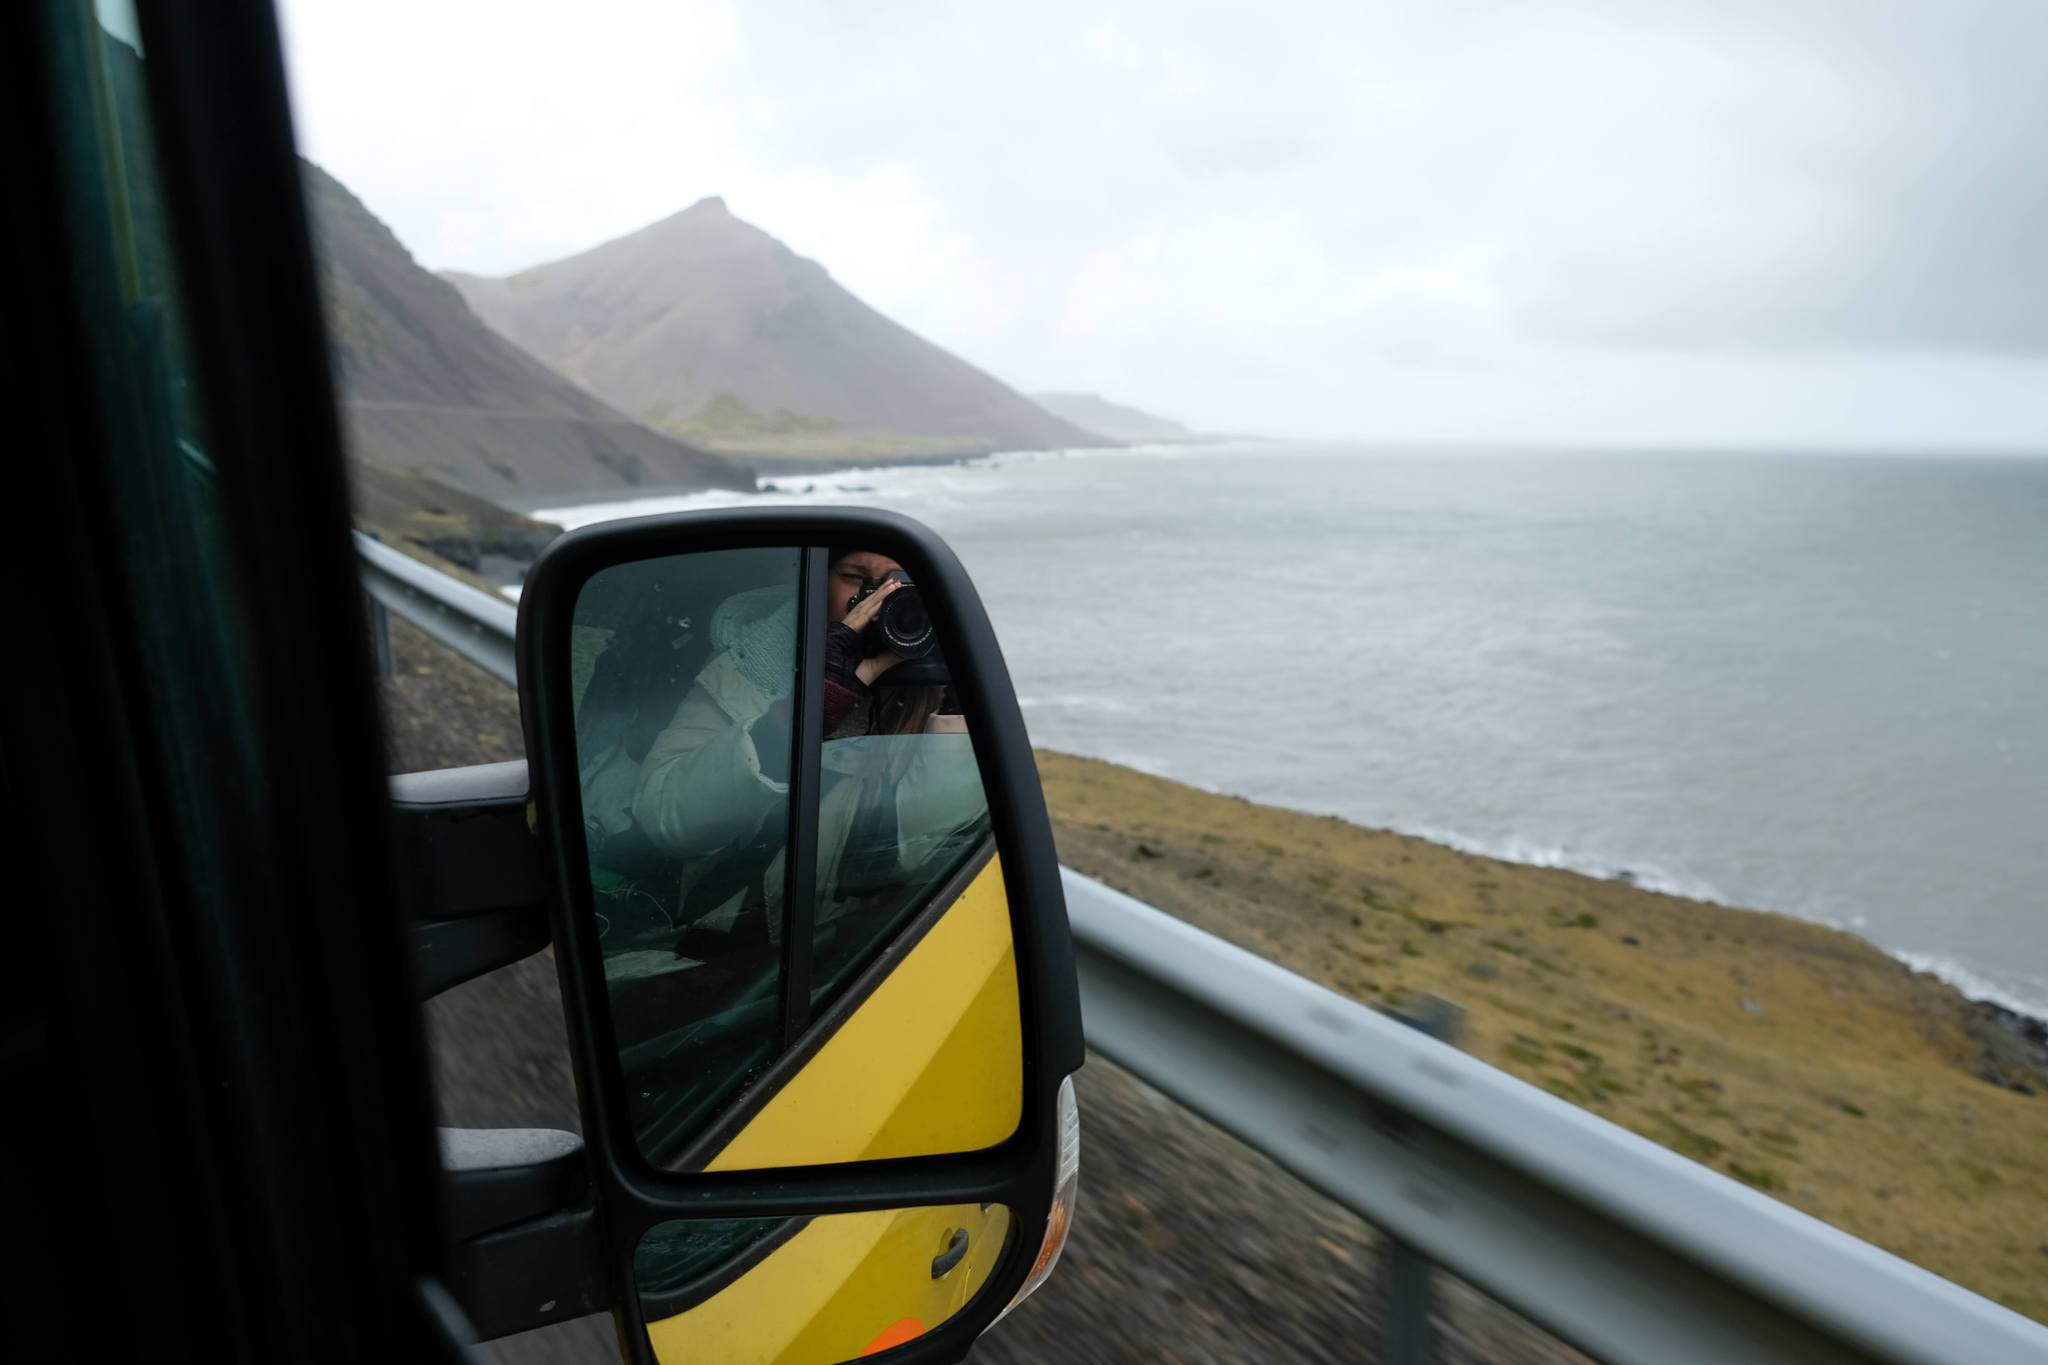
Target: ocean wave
(2031,1001)
(1528,853)
(590,513)
(1140,762)
(879,483)
(944,483)
(1113,706)
(861,479)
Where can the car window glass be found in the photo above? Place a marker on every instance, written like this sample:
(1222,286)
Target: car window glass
(900,800)
(683,673)
(899,813)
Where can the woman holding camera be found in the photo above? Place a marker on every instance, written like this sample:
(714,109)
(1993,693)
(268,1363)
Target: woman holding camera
(900,780)
(857,587)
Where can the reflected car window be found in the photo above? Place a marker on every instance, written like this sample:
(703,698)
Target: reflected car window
(683,671)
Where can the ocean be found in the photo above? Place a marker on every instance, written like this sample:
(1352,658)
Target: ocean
(1808,683)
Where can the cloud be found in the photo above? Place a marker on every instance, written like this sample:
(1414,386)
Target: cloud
(1821,177)
(1313,216)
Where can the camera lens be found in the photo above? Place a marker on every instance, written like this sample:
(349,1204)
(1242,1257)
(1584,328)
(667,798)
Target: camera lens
(905,625)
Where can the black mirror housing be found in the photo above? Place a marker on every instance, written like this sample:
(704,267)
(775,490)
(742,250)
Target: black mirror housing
(635,1195)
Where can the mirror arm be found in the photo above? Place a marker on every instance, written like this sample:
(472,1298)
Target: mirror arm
(470,870)
(527,1250)
(548,1270)
(496,1177)
(518,1202)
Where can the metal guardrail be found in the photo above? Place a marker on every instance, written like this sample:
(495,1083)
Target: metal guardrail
(475,624)
(1628,1251)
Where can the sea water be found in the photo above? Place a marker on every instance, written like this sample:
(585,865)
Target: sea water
(1809,683)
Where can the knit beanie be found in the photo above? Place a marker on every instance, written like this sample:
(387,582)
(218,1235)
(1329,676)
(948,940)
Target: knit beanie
(758,629)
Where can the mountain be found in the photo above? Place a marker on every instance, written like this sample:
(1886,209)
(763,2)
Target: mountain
(1122,424)
(707,327)
(426,388)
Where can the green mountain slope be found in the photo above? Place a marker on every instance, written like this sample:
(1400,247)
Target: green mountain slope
(704,325)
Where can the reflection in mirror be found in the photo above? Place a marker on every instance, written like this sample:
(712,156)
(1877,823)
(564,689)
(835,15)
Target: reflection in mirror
(901,803)
(795,930)
(812,1291)
(682,671)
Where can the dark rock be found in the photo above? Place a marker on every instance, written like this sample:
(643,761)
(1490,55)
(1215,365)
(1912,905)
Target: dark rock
(1630,940)
(455,549)
(2014,1047)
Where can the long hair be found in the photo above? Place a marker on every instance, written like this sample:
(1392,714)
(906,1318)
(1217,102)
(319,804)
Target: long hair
(906,710)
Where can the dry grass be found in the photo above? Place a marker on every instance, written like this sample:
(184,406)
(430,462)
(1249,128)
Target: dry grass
(1797,1058)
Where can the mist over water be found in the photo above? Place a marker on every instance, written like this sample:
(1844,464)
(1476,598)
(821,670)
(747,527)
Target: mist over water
(1815,684)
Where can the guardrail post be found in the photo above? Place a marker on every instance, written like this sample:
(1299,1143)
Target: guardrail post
(380,639)
(1409,1336)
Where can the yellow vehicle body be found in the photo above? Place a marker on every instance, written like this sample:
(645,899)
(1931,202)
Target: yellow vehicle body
(931,1062)
(847,1285)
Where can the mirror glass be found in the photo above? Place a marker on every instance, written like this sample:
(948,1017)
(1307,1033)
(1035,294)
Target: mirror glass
(803,927)
(812,1291)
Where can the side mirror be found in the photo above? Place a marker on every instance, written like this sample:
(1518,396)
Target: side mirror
(812,943)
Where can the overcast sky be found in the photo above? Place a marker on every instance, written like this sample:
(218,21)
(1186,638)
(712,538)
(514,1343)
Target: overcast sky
(1813,222)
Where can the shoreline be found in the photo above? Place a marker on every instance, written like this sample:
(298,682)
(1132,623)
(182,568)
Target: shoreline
(768,470)
(1950,973)
(778,468)
(1966,983)
(1800,1059)
(2027,1017)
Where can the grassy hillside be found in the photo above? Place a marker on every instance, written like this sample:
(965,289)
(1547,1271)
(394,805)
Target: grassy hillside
(1797,1058)
(781,441)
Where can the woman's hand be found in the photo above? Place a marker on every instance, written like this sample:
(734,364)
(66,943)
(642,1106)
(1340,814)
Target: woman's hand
(859,619)
(863,613)
(871,669)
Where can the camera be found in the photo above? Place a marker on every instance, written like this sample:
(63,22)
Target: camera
(901,625)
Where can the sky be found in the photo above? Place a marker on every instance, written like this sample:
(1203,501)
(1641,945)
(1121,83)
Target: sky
(1814,223)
